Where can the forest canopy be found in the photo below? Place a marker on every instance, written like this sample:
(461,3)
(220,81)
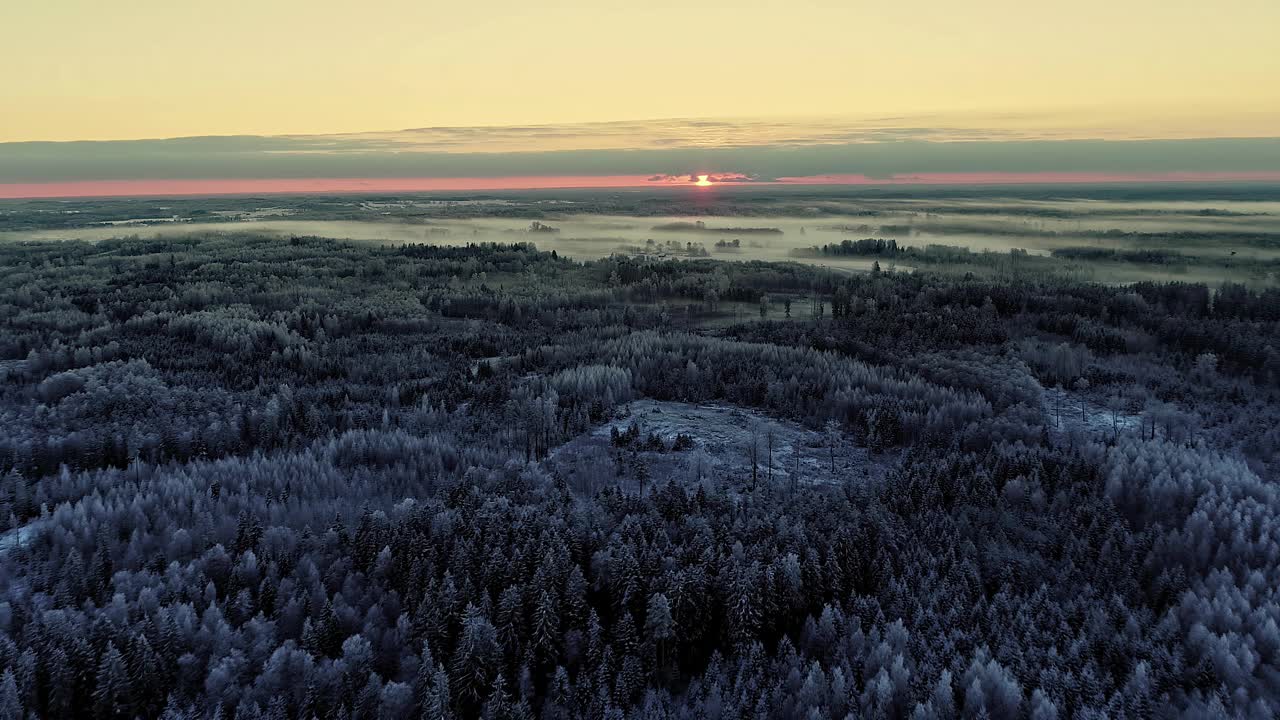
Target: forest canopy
(260,477)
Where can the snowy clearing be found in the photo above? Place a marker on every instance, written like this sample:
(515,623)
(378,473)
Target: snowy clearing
(1063,411)
(721,455)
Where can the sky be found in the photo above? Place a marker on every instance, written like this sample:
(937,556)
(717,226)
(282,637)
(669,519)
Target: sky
(407,88)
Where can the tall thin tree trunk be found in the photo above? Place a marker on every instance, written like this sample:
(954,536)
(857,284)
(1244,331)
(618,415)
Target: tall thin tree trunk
(771,459)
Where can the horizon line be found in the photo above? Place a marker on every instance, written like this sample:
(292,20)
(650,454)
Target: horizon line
(106,189)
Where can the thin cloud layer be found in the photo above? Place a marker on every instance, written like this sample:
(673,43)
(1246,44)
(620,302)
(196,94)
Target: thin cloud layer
(715,178)
(665,151)
(699,133)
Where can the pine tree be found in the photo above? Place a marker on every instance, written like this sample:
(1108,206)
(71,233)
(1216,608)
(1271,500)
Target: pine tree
(510,618)
(426,670)
(10,702)
(62,683)
(558,704)
(595,640)
(498,706)
(144,674)
(546,623)
(111,689)
(369,699)
(277,709)
(832,431)
(174,711)
(575,597)
(475,659)
(744,606)
(659,627)
(436,698)
(1042,708)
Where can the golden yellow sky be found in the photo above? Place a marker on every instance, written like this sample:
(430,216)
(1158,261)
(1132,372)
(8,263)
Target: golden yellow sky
(87,69)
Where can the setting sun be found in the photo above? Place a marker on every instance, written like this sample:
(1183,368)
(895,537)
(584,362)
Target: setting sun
(703,181)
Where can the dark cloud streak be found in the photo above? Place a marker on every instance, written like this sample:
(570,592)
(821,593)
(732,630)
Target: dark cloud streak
(261,157)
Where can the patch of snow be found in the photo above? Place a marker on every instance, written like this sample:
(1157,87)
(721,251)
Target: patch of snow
(723,436)
(1065,415)
(19,536)
(144,221)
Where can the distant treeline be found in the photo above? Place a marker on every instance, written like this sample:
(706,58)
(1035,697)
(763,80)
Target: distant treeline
(882,248)
(1165,257)
(955,254)
(1251,239)
(701,227)
(1155,257)
(1254,239)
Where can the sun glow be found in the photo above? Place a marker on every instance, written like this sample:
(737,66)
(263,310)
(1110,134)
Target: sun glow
(703,181)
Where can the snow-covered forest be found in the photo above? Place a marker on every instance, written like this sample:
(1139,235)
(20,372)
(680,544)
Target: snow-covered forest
(249,477)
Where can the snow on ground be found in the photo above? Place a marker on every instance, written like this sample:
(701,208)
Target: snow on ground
(257,214)
(1062,409)
(723,436)
(18,536)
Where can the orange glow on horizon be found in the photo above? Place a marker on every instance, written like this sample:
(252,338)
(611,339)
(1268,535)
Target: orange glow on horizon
(345,186)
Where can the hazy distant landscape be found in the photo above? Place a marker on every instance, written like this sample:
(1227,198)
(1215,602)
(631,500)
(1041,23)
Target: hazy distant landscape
(1113,235)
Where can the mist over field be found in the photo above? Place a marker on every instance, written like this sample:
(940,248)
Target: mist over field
(1208,240)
